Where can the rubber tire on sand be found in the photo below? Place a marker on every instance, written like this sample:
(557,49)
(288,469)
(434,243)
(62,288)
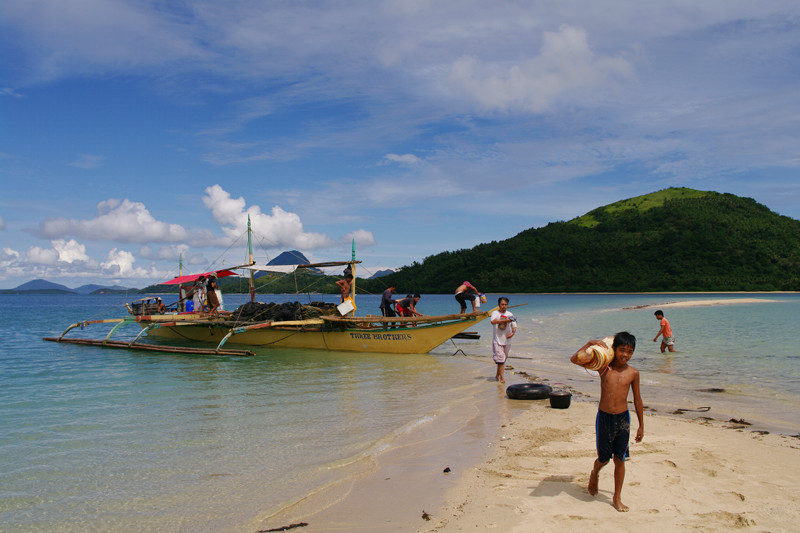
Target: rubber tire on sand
(528,391)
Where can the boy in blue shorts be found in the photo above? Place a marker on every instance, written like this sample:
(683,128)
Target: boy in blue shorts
(613,419)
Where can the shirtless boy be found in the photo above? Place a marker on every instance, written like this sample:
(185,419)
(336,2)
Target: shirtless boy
(613,419)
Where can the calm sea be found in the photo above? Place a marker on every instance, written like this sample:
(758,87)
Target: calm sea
(107,440)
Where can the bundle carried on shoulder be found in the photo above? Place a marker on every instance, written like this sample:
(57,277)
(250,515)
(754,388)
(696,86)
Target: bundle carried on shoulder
(597,357)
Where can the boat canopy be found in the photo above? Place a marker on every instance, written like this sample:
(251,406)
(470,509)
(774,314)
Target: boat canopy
(192,277)
(284,269)
(288,269)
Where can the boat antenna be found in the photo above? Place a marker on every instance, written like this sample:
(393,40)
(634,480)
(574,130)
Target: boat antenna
(180,264)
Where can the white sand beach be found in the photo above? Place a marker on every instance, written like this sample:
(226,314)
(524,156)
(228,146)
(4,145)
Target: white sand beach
(690,472)
(685,475)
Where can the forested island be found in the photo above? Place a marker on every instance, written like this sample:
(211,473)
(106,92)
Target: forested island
(676,239)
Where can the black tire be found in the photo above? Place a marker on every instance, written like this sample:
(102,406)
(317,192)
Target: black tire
(528,391)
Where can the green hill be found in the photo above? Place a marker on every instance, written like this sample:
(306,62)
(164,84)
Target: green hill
(676,239)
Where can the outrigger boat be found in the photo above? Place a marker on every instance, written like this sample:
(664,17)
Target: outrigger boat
(320,328)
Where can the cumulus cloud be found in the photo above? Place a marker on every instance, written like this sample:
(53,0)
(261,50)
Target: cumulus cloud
(70,251)
(362,238)
(280,227)
(121,221)
(88,161)
(119,263)
(41,256)
(565,65)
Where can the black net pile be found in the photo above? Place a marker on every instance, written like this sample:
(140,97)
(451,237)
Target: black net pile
(262,312)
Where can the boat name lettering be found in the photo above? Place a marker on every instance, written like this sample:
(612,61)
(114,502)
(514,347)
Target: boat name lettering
(381,336)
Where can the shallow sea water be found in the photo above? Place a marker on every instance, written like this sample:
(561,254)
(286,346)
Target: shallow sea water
(106,440)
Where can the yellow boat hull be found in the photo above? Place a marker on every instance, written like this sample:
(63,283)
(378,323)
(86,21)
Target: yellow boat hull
(399,340)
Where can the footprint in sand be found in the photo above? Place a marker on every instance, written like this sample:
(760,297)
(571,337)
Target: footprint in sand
(708,462)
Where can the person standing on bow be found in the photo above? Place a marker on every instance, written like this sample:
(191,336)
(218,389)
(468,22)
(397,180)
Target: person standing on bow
(466,292)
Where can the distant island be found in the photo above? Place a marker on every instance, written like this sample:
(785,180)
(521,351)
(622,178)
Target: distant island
(41,286)
(676,239)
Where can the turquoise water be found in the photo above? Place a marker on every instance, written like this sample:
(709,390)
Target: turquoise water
(103,440)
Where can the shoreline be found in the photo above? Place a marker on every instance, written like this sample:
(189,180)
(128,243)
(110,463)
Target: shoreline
(518,454)
(532,476)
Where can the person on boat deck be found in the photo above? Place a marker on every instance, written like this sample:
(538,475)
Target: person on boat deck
(387,302)
(466,292)
(408,306)
(199,294)
(211,294)
(344,286)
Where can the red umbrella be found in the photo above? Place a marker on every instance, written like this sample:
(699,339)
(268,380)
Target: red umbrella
(191,277)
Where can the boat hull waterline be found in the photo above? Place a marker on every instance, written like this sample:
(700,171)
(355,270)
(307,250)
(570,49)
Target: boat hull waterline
(402,339)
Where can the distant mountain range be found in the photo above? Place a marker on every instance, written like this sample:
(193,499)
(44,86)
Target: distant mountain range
(42,286)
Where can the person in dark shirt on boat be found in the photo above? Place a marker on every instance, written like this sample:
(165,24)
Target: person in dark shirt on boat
(408,306)
(387,302)
(466,292)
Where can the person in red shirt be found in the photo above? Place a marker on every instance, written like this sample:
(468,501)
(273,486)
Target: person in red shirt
(667,339)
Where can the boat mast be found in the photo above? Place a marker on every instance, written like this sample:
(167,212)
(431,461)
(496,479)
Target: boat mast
(353,272)
(252,281)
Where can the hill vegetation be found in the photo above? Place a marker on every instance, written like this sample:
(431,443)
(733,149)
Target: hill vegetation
(671,240)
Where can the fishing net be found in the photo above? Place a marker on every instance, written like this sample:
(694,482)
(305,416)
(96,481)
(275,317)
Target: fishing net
(262,312)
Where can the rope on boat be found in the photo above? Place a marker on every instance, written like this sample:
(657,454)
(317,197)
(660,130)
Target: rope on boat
(457,348)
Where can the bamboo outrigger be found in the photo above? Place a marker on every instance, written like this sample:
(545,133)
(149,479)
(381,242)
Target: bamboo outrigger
(408,335)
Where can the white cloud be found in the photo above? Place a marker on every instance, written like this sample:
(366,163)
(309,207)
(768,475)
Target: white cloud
(8,91)
(565,66)
(120,263)
(8,254)
(121,221)
(362,238)
(406,159)
(41,256)
(80,36)
(70,251)
(281,228)
(88,161)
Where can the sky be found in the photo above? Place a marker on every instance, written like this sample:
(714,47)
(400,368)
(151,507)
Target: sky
(136,133)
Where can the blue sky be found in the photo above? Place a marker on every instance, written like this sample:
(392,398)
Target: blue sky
(132,132)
